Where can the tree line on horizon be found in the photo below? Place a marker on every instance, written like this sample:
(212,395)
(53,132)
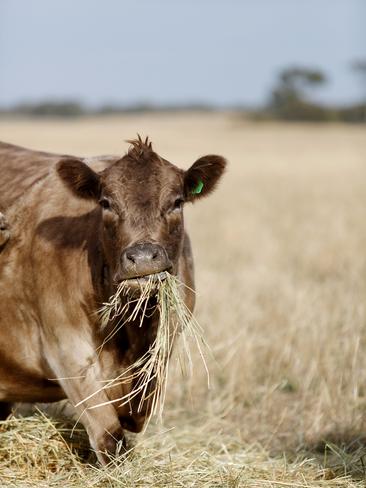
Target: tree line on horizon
(290,100)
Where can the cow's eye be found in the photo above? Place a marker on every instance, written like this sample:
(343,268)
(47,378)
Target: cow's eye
(105,203)
(178,204)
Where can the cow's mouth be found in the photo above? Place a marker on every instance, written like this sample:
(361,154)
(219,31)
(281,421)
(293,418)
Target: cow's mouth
(153,280)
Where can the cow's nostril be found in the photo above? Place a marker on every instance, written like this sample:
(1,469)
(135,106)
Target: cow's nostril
(130,255)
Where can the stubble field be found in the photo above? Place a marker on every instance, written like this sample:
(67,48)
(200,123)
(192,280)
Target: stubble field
(280,253)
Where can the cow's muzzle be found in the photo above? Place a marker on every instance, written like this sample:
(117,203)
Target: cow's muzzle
(144,260)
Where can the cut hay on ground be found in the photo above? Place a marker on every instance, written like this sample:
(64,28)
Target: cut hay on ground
(37,452)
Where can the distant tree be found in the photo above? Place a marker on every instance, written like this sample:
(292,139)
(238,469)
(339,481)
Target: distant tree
(50,108)
(299,79)
(359,68)
(294,83)
(289,98)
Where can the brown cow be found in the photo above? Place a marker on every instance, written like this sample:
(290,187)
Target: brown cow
(77,231)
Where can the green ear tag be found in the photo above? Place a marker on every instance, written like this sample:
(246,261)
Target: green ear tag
(198,188)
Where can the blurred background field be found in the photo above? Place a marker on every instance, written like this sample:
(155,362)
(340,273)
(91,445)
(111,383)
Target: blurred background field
(281,279)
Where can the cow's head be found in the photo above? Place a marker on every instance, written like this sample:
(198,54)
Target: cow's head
(141,199)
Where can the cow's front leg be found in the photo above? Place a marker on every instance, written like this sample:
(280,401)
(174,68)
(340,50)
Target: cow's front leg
(76,366)
(4,230)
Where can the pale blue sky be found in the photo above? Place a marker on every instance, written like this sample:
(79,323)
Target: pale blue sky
(171,51)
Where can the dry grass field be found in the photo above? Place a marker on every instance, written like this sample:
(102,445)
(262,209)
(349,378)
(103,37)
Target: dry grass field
(280,255)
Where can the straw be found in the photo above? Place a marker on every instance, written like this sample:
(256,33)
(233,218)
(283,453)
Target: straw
(149,373)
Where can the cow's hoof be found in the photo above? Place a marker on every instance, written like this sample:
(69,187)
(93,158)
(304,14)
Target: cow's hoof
(4,230)
(111,446)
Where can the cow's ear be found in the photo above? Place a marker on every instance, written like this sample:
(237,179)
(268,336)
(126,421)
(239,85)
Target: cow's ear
(79,178)
(202,177)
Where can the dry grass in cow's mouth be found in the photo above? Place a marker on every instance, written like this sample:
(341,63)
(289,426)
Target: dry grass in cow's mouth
(149,373)
(141,284)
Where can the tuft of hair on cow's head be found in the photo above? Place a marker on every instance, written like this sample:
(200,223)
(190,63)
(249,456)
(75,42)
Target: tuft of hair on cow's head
(202,177)
(140,150)
(79,178)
